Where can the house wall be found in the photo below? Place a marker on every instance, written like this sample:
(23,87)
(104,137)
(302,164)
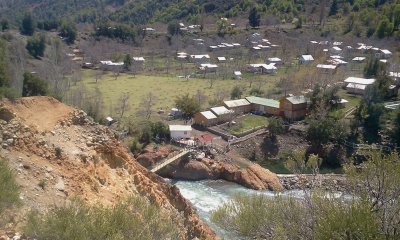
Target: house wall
(180,134)
(355,91)
(203,121)
(293,111)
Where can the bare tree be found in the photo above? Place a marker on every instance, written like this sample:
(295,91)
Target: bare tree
(200,97)
(123,104)
(146,105)
(17,63)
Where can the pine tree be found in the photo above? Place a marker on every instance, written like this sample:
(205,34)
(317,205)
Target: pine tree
(28,25)
(334,8)
(254,17)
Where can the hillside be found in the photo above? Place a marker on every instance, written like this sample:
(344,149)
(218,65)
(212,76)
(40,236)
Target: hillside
(46,141)
(360,17)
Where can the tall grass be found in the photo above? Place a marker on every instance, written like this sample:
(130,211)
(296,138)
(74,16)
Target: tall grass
(9,190)
(134,218)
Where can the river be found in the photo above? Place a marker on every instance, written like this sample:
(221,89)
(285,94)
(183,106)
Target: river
(208,195)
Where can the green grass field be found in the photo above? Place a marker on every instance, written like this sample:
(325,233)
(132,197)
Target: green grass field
(165,88)
(247,123)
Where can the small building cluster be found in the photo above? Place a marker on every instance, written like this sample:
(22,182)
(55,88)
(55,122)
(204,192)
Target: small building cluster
(290,108)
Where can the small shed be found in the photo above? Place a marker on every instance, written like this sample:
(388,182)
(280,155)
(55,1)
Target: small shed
(264,105)
(221,59)
(180,131)
(237,75)
(239,106)
(205,119)
(109,121)
(306,59)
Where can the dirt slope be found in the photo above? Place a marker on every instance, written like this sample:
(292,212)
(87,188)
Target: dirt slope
(47,141)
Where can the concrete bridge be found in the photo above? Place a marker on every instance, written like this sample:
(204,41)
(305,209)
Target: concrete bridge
(164,163)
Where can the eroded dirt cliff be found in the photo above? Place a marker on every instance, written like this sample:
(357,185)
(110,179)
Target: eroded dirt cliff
(49,142)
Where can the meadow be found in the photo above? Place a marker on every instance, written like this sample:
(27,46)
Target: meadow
(165,87)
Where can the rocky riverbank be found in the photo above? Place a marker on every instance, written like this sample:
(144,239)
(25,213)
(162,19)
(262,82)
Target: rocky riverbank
(252,176)
(329,182)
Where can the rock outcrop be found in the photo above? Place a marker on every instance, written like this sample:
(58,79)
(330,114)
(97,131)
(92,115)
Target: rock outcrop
(253,176)
(49,142)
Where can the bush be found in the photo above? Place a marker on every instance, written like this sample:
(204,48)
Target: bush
(135,218)
(34,86)
(36,46)
(9,190)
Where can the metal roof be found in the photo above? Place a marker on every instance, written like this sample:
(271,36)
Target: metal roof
(356,86)
(218,111)
(358,80)
(307,57)
(208,115)
(297,99)
(263,101)
(180,128)
(236,103)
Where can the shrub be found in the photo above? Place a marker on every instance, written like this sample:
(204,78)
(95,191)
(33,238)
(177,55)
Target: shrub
(9,190)
(34,86)
(135,218)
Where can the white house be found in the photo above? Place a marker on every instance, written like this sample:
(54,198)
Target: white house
(384,53)
(327,68)
(305,59)
(110,65)
(275,60)
(208,67)
(263,68)
(180,131)
(199,58)
(358,85)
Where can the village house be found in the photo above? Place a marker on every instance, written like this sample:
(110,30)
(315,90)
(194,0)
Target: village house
(199,58)
(239,106)
(264,105)
(223,114)
(327,68)
(138,61)
(356,85)
(383,53)
(205,119)
(208,67)
(110,65)
(274,60)
(306,59)
(293,108)
(180,131)
(262,68)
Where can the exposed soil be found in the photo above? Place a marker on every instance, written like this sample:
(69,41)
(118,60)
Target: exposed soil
(263,147)
(47,142)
